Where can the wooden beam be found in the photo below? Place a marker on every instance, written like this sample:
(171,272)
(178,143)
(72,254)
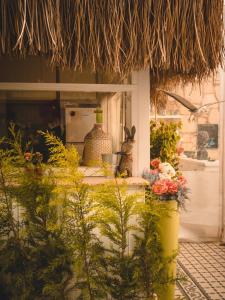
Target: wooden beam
(66,87)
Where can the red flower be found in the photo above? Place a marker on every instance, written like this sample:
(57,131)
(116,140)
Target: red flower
(155,163)
(28,156)
(160,187)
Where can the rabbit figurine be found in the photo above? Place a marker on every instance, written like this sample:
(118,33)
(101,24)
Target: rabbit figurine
(125,164)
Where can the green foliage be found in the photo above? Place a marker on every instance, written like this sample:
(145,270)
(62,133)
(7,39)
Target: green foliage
(80,221)
(87,248)
(52,245)
(60,156)
(14,276)
(49,256)
(163,139)
(34,259)
(116,210)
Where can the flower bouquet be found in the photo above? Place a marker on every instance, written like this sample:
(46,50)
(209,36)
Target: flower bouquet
(166,183)
(171,187)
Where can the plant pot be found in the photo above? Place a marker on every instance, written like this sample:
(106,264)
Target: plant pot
(110,161)
(109,158)
(168,233)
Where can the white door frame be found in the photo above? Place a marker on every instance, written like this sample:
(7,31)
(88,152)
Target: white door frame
(140,118)
(66,87)
(222,157)
(222,151)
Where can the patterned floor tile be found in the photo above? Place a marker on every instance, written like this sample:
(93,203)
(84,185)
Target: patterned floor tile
(203,265)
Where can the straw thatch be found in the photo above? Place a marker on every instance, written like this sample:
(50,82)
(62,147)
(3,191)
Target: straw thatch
(171,37)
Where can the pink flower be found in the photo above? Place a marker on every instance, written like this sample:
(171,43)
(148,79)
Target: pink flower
(155,163)
(154,172)
(182,180)
(179,150)
(172,187)
(160,187)
(164,186)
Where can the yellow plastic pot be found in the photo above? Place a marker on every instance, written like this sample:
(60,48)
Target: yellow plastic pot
(168,232)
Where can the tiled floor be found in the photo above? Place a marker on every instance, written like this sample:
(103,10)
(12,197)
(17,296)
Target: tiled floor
(203,265)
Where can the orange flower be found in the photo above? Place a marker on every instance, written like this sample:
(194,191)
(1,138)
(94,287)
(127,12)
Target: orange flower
(160,187)
(155,163)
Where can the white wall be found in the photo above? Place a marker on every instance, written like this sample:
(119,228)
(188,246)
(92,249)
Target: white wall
(201,220)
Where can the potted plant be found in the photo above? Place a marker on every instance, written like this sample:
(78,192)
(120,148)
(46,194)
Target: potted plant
(168,186)
(164,139)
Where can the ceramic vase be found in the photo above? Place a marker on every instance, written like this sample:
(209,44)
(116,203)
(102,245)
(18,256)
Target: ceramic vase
(96,143)
(168,233)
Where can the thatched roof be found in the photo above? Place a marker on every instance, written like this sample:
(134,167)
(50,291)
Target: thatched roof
(183,37)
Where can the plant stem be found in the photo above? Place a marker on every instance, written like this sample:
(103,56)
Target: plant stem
(85,256)
(8,205)
(123,231)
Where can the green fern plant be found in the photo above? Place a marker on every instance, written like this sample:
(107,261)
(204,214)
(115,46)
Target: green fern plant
(49,255)
(117,208)
(55,246)
(14,255)
(80,220)
(45,265)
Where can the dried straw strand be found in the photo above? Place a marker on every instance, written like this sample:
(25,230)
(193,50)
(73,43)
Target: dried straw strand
(173,38)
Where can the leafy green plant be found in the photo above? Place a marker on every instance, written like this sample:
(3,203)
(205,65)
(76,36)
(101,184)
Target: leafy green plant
(10,246)
(163,139)
(49,255)
(14,254)
(80,221)
(53,245)
(34,260)
(117,208)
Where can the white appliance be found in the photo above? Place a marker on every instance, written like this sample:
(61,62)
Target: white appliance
(79,121)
